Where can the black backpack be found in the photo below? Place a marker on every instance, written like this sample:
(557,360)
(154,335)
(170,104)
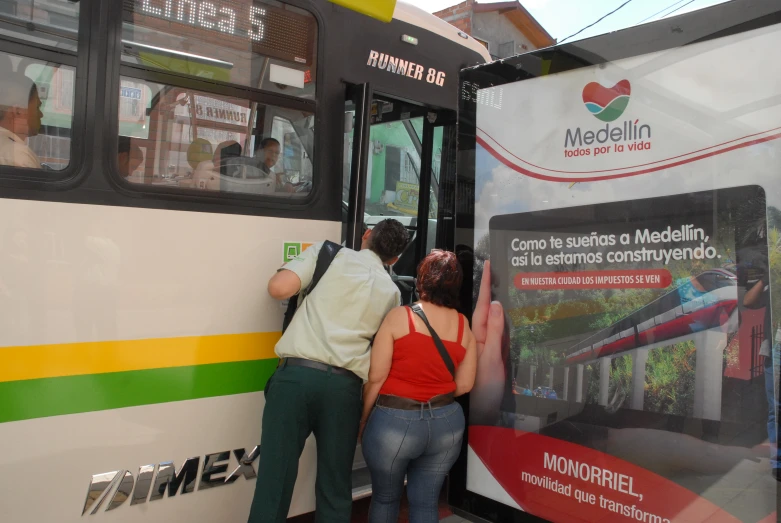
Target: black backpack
(324,258)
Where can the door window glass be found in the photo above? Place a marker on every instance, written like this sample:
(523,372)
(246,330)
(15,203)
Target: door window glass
(392,188)
(393,178)
(436,168)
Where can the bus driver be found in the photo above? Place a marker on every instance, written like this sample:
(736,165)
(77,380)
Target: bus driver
(20,118)
(269,156)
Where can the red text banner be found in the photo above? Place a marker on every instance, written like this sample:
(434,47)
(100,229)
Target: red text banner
(625,279)
(565,482)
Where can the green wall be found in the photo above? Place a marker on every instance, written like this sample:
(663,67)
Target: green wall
(390,134)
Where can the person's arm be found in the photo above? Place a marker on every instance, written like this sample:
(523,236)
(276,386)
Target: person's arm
(284,284)
(488,329)
(295,275)
(281,184)
(381,359)
(465,374)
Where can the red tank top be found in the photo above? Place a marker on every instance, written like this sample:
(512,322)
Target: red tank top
(417,370)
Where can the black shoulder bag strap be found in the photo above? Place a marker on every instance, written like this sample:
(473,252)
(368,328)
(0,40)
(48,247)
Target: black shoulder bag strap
(324,258)
(417,309)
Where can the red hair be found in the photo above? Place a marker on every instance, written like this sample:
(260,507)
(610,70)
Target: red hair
(439,279)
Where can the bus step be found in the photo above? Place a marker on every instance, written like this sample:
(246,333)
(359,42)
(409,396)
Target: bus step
(362,483)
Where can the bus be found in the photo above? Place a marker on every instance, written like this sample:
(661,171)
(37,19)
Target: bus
(160,160)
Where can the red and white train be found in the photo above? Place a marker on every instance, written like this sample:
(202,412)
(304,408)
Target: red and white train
(706,301)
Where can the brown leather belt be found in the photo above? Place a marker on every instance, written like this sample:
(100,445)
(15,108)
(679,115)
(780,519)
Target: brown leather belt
(301,362)
(397,402)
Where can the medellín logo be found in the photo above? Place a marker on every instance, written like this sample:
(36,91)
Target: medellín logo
(607,103)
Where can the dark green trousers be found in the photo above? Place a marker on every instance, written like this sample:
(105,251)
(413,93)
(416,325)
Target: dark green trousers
(301,401)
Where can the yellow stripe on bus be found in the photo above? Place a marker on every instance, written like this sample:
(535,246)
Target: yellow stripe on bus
(75,359)
(379,9)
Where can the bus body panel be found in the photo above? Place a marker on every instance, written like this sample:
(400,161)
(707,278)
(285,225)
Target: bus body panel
(416,16)
(135,326)
(47,476)
(134,337)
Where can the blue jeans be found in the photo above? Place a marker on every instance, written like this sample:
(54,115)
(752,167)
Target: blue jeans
(421,444)
(771,376)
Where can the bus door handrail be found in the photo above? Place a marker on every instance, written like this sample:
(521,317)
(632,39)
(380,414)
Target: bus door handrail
(408,284)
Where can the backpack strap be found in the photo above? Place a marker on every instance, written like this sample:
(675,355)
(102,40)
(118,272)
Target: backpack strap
(328,252)
(326,255)
(417,309)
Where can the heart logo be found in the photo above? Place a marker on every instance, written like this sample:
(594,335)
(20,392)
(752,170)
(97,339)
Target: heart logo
(607,103)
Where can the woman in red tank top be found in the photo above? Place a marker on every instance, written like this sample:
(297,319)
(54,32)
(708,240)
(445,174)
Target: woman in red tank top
(413,426)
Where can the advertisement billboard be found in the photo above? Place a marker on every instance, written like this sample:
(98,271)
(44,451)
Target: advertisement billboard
(627,228)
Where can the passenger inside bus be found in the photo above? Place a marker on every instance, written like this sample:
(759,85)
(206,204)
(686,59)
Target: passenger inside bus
(199,156)
(20,118)
(130,156)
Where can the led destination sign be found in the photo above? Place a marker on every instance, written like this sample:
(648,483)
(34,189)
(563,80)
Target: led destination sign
(272,31)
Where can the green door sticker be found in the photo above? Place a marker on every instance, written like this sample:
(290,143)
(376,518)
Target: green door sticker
(292,249)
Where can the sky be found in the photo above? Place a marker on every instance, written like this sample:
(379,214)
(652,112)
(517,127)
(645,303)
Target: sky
(561,18)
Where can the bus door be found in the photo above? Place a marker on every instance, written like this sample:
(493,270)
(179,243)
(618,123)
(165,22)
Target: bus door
(393,157)
(394,152)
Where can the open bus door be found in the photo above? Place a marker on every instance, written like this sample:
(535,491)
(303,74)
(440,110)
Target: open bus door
(393,156)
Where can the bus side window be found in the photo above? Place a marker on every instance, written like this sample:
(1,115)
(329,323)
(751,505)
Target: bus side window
(37,97)
(36,113)
(198,141)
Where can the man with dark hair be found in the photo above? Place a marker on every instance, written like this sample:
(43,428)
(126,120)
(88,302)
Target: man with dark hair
(20,118)
(129,156)
(270,149)
(324,361)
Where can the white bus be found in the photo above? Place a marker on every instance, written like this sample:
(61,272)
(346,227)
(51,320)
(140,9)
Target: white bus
(186,148)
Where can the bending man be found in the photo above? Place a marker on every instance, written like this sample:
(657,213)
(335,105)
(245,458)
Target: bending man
(324,361)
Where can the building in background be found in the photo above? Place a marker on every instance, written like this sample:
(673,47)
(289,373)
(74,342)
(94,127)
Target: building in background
(505,28)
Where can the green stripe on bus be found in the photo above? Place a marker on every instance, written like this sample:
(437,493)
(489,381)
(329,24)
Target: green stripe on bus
(40,398)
